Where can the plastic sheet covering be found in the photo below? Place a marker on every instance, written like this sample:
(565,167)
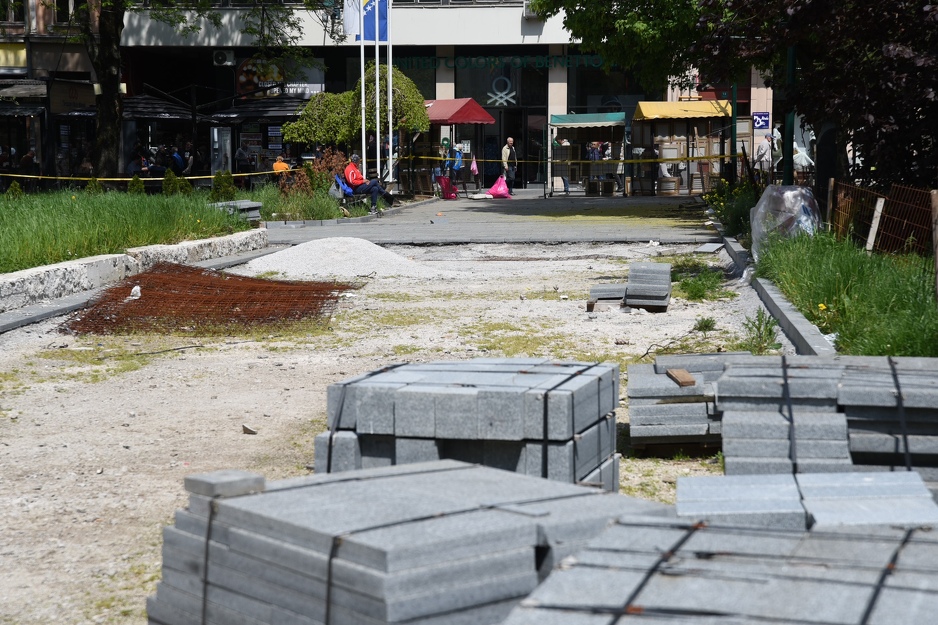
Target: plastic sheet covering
(787,210)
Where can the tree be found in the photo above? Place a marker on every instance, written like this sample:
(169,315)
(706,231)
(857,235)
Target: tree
(866,67)
(100,23)
(336,117)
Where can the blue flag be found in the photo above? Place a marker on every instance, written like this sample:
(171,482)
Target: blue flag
(369,9)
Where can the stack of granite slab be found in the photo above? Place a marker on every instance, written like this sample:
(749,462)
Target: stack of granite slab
(892,413)
(442,543)
(807,500)
(665,571)
(649,286)
(780,416)
(663,411)
(531,416)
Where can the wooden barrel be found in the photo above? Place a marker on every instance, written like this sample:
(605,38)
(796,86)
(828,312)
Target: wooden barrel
(668,186)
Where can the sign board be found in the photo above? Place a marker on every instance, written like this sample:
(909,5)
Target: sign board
(760,121)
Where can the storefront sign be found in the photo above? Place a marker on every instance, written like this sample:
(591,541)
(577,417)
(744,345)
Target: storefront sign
(491,62)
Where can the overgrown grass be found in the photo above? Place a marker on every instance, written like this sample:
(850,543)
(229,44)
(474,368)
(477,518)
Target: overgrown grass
(315,205)
(732,204)
(46,228)
(876,305)
(697,281)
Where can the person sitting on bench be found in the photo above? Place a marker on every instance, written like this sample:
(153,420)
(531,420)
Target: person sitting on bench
(355,179)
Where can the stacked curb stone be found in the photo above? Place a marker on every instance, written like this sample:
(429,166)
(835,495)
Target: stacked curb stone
(530,416)
(648,287)
(666,571)
(441,543)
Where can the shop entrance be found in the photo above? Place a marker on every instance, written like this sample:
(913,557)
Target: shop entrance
(526,127)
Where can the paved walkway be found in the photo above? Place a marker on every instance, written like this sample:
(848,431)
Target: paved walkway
(528,217)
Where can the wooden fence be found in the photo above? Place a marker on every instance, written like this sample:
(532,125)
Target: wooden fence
(901,221)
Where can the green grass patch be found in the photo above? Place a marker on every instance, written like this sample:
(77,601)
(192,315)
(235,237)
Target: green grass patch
(46,228)
(876,305)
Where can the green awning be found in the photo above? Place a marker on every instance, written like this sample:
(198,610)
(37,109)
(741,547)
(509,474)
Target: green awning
(588,120)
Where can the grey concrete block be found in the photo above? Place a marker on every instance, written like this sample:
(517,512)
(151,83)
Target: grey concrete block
(607,291)
(646,268)
(457,414)
(411,450)
(668,414)
(698,363)
(774,387)
(824,465)
(501,413)
(866,441)
(756,447)
(414,411)
(736,487)
(377,450)
(560,460)
(861,484)
(371,406)
(904,511)
(605,476)
(337,413)
(817,449)
(224,483)
(648,291)
(757,425)
(341,449)
(505,455)
(768,404)
(659,431)
(785,514)
(656,385)
(757,466)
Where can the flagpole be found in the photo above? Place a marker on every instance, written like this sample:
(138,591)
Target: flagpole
(377,84)
(361,42)
(390,97)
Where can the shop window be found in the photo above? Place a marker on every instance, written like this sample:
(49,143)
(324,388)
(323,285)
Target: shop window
(64,9)
(12,11)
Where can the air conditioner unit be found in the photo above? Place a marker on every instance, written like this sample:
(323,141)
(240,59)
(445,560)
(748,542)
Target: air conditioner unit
(223,57)
(528,12)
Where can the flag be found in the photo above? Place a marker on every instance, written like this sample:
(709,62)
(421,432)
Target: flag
(369,8)
(351,21)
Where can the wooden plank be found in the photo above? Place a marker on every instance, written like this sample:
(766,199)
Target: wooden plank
(682,377)
(877,215)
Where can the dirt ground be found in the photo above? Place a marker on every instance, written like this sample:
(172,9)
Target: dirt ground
(97,433)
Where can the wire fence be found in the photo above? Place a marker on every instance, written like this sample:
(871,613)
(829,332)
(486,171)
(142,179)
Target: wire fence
(900,221)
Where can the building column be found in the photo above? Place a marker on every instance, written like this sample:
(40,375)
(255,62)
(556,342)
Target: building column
(445,82)
(557,83)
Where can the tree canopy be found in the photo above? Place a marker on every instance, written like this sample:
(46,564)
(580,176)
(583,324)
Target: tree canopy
(336,117)
(866,67)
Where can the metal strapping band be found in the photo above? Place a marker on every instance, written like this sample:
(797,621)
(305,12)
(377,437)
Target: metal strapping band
(786,392)
(544,446)
(900,404)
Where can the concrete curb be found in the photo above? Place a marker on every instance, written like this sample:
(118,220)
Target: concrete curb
(272,225)
(804,335)
(29,287)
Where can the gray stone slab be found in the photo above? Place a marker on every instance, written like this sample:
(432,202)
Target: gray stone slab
(378,451)
(885,443)
(414,411)
(224,483)
(908,606)
(864,485)
(412,450)
(501,414)
(341,449)
(371,406)
(605,476)
(820,449)
(525,615)
(657,385)
(666,414)
(709,248)
(648,291)
(338,414)
(585,588)
(786,514)
(774,387)
(560,462)
(697,363)
(768,404)
(756,447)
(757,466)
(457,414)
(607,291)
(657,269)
(738,487)
(824,465)
(904,511)
(663,431)
(760,425)
(889,413)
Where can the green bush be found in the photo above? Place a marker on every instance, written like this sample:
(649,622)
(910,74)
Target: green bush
(170,183)
(732,204)
(14,191)
(94,187)
(135,186)
(223,187)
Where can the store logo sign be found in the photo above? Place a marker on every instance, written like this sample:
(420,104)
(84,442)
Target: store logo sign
(503,94)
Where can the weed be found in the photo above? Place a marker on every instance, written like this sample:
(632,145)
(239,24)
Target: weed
(705,325)
(761,333)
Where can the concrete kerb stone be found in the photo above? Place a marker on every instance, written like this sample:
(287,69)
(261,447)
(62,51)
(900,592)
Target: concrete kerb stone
(806,337)
(30,286)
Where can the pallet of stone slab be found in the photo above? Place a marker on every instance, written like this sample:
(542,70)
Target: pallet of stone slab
(891,437)
(662,412)
(649,286)
(567,461)
(494,399)
(647,387)
(771,386)
(768,442)
(434,544)
(658,571)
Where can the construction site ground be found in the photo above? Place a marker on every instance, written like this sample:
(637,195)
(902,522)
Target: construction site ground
(98,432)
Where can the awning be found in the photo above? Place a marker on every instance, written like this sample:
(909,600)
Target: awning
(588,120)
(151,107)
(21,111)
(23,89)
(683,110)
(281,106)
(459,111)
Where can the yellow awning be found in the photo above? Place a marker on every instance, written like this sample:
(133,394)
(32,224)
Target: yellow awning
(683,110)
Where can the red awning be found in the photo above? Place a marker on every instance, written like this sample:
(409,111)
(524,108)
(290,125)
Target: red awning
(459,111)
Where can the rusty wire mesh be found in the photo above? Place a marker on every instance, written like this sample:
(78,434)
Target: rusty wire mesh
(176,297)
(905,224)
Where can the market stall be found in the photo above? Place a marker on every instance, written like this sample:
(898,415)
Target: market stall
(567,150)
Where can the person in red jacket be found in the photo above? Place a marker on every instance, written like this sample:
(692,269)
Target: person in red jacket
(355,179)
